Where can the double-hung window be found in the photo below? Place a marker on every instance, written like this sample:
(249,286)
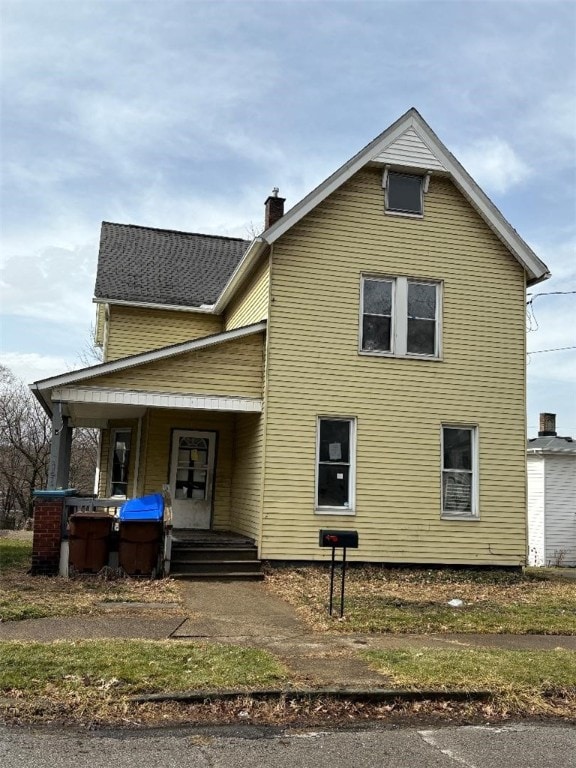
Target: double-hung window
(459,472)
(400,316)
(120,440)
(335,458)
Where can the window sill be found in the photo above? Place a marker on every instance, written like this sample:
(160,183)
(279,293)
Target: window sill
(425,358)
(334,511)
(461,518)
(404,214)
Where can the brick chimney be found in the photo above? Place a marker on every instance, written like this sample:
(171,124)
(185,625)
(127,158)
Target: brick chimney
(273,208)
(547,425)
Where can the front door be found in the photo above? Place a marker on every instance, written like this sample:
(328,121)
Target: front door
(192,478)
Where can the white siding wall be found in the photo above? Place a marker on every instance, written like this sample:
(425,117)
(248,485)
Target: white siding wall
(536,511)
(560,510)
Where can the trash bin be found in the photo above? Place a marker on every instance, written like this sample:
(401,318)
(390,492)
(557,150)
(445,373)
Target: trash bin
(140,535)
(89,541)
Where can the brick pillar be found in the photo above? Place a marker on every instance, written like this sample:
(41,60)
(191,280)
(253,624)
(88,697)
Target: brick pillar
(48,515)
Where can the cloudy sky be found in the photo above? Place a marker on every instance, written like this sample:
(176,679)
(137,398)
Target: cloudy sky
(184,115)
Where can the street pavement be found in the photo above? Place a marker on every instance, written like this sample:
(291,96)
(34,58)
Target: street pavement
(511,746)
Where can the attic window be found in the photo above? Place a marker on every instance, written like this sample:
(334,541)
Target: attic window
(404,193)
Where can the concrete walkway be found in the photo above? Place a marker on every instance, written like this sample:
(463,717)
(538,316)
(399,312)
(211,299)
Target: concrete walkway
(245,613)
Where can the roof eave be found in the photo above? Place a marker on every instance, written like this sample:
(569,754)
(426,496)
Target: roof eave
(249,259)
(101,369)
(208,309)
(534,267)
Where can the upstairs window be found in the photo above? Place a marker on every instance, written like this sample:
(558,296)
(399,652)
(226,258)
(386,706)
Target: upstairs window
(404,193)
(400,317)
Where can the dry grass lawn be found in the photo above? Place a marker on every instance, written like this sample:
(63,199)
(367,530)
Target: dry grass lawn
(415,600)
(31,597)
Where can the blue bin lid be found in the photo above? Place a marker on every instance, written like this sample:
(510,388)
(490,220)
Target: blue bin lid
(145,508)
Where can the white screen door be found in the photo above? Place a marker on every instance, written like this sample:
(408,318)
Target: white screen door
(191,478)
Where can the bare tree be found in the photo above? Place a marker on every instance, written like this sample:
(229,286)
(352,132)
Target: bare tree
(25,433)
(24,447)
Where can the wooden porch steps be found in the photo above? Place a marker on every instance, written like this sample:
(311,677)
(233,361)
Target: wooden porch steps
(214,555)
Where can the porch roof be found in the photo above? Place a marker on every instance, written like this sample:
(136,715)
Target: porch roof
(111,390)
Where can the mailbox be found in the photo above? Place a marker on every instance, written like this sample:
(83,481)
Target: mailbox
(348,539)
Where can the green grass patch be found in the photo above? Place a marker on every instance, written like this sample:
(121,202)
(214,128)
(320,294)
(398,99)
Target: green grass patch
(416,600)
(15,553)
(132,666)
(499,671)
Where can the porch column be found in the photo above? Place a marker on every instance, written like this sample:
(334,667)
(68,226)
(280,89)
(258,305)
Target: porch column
(60,447)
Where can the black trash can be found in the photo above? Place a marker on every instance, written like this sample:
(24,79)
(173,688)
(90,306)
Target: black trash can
(89,541)
(140,535)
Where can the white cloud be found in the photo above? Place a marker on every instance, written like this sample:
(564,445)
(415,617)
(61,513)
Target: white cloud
(494,164)
(52,284)
(33,366)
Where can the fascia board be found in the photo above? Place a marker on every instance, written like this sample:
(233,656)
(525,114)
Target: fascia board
(146,357)
(204,309)
(333,182)
(254,250)
(535,268)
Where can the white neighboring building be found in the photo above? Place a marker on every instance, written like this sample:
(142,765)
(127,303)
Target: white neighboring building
(551,496)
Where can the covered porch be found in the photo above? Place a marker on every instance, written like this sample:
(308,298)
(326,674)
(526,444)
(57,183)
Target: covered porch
(159,429)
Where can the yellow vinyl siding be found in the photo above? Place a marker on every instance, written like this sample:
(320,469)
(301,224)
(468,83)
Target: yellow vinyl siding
(251,304)
(230,368)
(133,329)
(155,461)
(247,475)
(314,369)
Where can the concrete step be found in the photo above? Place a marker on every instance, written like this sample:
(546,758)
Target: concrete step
(212,566)
(220,576)
(181,553)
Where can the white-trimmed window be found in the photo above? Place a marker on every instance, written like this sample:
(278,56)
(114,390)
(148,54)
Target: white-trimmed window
(120,440)
(404,193)
(335,465)
(459,471)
(400,316)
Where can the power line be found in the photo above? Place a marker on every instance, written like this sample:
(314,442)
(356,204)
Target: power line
(554,349)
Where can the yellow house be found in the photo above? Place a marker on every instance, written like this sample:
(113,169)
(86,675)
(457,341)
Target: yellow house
(360,366)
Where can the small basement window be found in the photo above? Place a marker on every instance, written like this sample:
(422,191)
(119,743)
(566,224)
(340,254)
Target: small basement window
(404,193)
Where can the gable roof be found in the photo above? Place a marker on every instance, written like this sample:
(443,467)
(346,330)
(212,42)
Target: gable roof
(43,387)
(409,143)
(161,266)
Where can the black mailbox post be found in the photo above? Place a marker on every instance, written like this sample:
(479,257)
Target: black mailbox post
(341,540)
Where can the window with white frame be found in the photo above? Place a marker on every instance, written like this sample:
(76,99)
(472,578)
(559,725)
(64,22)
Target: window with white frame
(459,472)
(404,193)
(120,440)
(400,316)
(335,465)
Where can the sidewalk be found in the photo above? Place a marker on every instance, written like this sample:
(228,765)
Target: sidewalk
(245,613)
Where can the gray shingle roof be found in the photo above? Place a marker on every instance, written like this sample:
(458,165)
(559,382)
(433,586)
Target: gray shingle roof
(551,444)
(162,266)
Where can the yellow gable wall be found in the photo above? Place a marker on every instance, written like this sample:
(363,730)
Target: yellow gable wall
(133,329)
(314,369)
(232,368)
(251,303)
